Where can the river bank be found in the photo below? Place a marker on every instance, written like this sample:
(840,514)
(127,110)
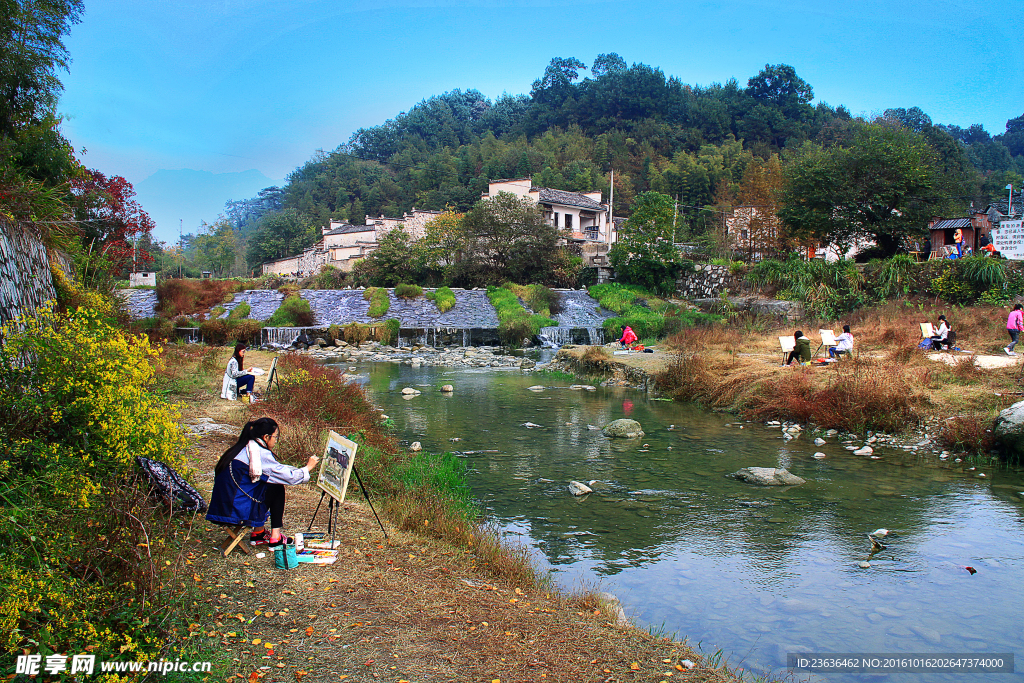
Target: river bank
(409,607)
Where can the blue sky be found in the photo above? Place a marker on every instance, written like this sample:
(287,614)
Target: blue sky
(244,91)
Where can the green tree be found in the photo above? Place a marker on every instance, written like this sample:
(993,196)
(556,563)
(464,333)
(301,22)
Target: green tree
(644,253)
(508,238)
(279,234)
(882,187)
(216,247)
(396,259)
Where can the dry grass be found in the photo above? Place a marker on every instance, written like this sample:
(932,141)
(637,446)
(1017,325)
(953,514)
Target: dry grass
(971,433)
(892,385)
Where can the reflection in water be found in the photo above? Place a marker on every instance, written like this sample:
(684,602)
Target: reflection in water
(757,572)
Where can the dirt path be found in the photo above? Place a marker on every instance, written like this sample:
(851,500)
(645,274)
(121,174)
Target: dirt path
(406,608)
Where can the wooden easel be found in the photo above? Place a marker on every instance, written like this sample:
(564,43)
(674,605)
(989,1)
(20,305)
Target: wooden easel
(272,377)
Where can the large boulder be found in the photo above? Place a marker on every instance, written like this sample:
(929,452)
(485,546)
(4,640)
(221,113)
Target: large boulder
(1008,432)
(624,429)
(767,476)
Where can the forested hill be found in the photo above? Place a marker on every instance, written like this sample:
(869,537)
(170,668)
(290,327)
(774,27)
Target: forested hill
(577,124)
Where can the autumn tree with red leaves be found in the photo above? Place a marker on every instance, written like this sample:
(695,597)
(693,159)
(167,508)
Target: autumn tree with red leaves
(110,220)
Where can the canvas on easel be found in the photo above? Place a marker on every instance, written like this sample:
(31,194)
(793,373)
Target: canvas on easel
(336,466)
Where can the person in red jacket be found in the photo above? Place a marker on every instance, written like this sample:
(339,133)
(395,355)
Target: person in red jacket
(628,336)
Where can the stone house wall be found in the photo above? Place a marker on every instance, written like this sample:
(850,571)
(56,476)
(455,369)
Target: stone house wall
(709,281)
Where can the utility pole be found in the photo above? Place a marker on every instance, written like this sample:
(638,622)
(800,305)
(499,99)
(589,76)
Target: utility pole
(675,213)
(181,249)
(611,208)
(1009,206)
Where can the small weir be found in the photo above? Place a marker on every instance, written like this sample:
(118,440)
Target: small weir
(471,322)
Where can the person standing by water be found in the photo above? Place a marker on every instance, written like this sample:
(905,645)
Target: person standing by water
(243,380)
(1014,325)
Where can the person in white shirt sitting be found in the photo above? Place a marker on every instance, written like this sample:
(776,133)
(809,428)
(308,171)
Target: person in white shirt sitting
(939,338)
(844,344)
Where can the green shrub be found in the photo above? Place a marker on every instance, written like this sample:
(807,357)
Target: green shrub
(387,332)
(240,311)
(293,312)
(214,331)
(444,299)
(951,287)
(408,291)
(93,554)
(369,292)
(515,323)
(896,276)
(827,289)
(328,277)
(334,332)
(247,331)
(380,302)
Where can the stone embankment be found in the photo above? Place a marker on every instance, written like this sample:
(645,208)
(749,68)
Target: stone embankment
(417,356)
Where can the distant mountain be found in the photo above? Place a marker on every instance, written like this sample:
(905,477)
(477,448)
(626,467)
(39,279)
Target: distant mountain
(194,196)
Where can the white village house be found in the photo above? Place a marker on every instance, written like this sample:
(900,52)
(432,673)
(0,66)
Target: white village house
(582,215)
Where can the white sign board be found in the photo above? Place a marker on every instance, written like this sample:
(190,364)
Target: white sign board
(1008,239)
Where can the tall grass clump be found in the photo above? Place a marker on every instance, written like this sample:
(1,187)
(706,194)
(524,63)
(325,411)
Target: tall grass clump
(541,299)
(183,296)
(408,291)
(857,395)
(240,311)
(444,299)
(328,277)
(379,300)
(387,333)
(515,323)
(294,311)
(89,556)
(971,433)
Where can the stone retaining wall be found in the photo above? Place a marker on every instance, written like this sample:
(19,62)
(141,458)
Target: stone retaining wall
(708,282)
(25,280)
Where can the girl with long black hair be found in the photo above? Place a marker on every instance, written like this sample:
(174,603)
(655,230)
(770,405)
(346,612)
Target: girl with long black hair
(249,482)
(236,379)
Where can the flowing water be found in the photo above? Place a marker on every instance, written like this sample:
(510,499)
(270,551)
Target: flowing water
(757,572)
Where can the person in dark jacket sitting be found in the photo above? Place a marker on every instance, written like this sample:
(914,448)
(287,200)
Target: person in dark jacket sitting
(249,482)
(801,351)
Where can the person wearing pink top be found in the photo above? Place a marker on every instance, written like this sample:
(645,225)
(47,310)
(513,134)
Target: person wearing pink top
(1014,325)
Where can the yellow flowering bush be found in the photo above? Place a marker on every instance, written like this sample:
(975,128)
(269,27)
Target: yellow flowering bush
(83,561)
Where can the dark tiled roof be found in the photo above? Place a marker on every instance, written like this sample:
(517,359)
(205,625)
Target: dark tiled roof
(549,196)
(948,223)
(346,229)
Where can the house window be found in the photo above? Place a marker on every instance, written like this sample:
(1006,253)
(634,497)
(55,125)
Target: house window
(743,234)
(568,221)
(556,219)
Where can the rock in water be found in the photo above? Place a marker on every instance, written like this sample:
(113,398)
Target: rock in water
(409,391)
(818,456)
(536,387)
(624,429)
(415,446)
(447,388)
(819,441)
(880,532)
(866,450)
(1008,432)
(578,488)
(767,476)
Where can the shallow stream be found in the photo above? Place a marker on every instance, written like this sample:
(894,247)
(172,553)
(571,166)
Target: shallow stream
(757,572)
